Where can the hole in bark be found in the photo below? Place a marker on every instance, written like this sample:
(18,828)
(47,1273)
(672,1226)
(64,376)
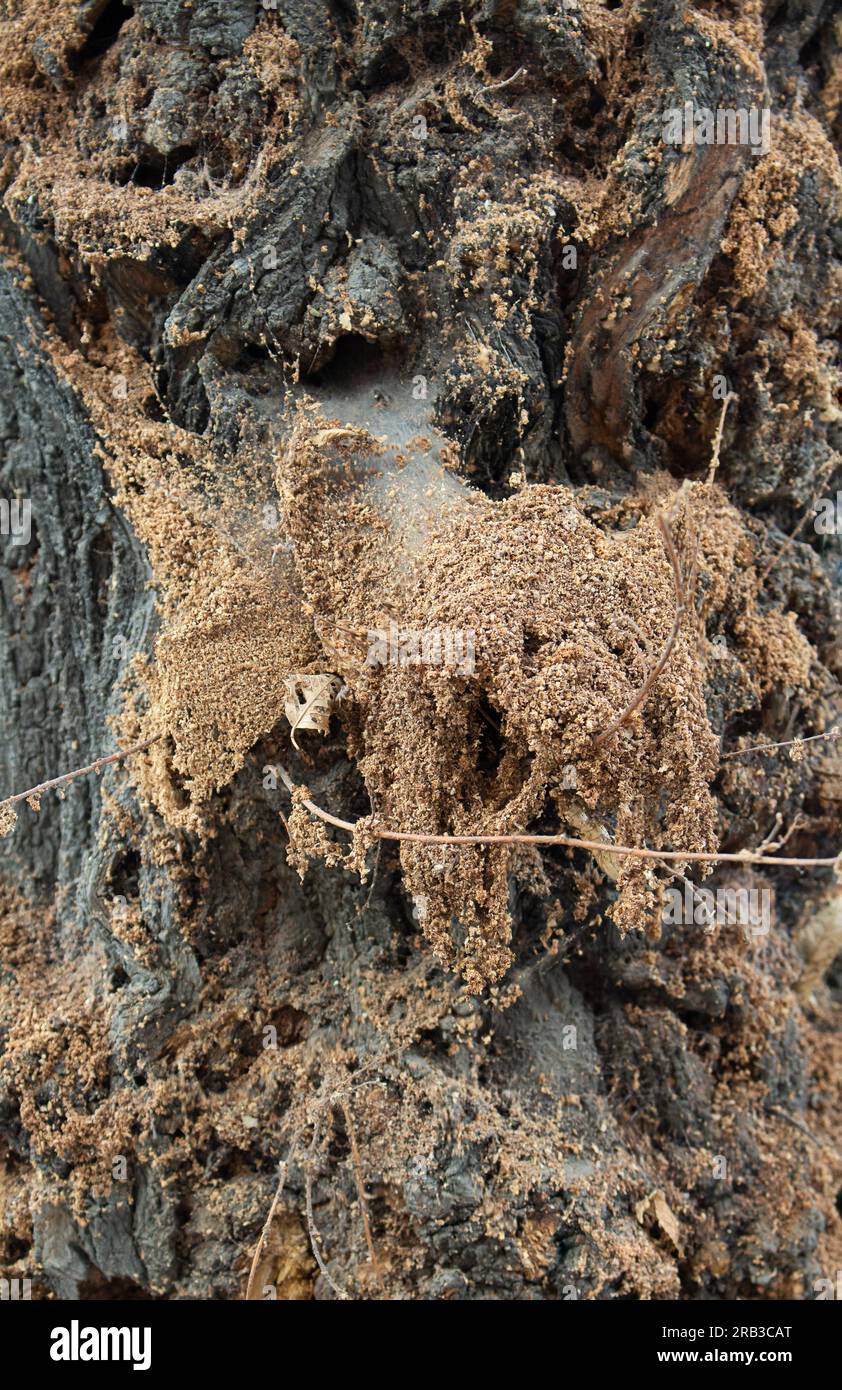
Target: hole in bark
(253,358)
(353,358)
(124,874)
(810,53)
(290,1025)
(584,119)
(158,170)
(100,1289)
(102,568)
(491,744)
(778,17)
(345,18)
(105,30)
(389,68)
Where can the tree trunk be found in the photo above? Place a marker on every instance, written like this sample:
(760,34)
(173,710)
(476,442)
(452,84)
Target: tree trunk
(336,333)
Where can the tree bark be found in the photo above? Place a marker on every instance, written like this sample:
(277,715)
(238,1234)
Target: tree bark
(459,221)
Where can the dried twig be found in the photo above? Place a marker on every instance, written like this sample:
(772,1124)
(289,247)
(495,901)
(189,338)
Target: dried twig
(367,904)
(361,1194)
(603,846)
(787,743)
(334,1098)
(80,771)
(497,86)
(308,1204)
(771,844)
(717,438)
(267,1225)
(787,545)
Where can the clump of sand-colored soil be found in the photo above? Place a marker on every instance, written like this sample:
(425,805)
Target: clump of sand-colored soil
(565,621)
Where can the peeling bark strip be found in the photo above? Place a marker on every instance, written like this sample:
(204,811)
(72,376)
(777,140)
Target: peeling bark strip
(322,329)
(649,285)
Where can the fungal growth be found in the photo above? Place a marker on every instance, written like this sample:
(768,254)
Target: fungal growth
(501,664)
(566,620)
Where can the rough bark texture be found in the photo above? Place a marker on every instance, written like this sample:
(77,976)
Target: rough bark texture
(210,212)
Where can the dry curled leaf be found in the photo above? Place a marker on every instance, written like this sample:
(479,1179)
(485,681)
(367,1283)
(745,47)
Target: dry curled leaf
(8,820)
(286,1268)
(656,1209)
(819,942)
(310,702)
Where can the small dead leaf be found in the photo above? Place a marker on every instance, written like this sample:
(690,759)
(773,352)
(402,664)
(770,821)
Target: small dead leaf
(286,1268)
(819,942)
(537,1245)
(310,702)
(8,820)
(656,1209)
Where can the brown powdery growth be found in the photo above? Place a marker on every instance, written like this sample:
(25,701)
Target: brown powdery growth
(218,682)
(564,620)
